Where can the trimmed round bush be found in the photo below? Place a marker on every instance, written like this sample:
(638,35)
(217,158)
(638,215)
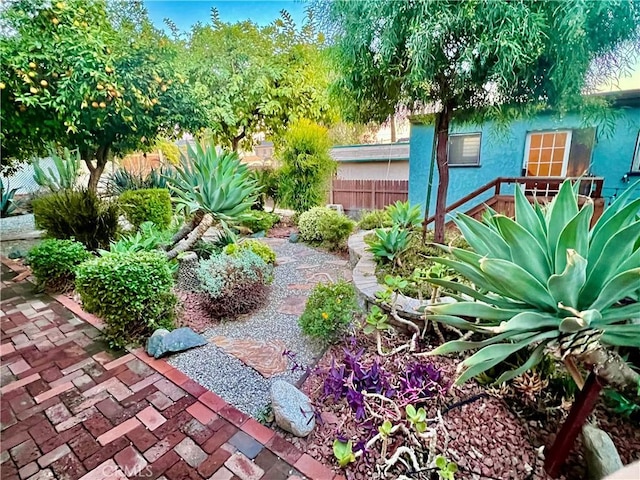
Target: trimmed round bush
(131,292)
(264,251)
(53,262)
(329,310)
(309,223)
(147,205)
(334,229)
(374,219)
(235,284)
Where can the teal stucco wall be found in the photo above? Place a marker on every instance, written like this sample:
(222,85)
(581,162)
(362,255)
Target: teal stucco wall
(502,155)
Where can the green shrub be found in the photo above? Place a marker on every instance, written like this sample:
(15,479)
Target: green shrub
(123,180)
(307,166)
(309,223)
(205,249)
(334,229)
(235,284)
(374,219)
(268,180)
(131,292)
(329,310)
(264,251)
(77,214)
(147,205)
(53,262)
(260,221)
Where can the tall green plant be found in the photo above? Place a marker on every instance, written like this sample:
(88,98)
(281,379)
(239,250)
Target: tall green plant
(7,202)
(307,167)
(547,278)
(65,176)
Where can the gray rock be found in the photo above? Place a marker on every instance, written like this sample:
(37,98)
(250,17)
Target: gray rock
(162,341)
(294,237)
(600,453)
(292,409)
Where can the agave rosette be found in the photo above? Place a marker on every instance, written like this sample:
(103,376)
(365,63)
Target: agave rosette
(544,277)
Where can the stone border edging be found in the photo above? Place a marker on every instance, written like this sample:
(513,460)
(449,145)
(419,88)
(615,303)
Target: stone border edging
(366,283)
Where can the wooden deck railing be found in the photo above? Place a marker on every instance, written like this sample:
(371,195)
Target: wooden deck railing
(541,188)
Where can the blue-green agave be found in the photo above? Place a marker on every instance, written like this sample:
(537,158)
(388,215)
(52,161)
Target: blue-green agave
(547,278)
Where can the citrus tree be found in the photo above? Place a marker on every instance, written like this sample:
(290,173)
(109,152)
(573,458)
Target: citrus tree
(90,76)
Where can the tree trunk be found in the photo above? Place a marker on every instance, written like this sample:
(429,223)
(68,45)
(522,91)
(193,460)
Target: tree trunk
(95,171)
(443,119)
(188,243)
(609,366)
(235,141)
(186,229)
(392,127)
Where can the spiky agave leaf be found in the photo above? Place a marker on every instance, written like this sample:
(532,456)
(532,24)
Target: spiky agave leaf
(543,276)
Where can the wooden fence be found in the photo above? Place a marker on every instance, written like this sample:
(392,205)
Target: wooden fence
(368,194)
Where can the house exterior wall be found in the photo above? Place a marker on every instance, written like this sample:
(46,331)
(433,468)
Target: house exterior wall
(390,170)
(502,155)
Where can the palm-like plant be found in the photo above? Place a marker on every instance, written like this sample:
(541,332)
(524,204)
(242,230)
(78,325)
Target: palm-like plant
(213,188)
(548,279)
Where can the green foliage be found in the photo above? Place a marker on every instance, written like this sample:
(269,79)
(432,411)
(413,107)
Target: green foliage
(253,79)
(446,469)
(216,183)
(417,418)
(620,403)
(268,180)
(67,170)
(260,221)
(235,284)
(131,292)
(404,215)
(53,262)
(385,429)
(149,205)
(264,251)
(77,214)
(7,203)
(205,249)
(146,239)
(307,167)
(374,219)
(546,276)
(343,451)
(388,244)
(309,223)
(334,230)
(376,320)
(329,310)
(91,76)
(123,180)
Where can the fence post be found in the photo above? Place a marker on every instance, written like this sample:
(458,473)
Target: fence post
(373,195)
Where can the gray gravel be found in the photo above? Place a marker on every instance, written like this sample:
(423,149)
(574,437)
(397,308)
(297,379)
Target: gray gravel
(227,376)
(18,224)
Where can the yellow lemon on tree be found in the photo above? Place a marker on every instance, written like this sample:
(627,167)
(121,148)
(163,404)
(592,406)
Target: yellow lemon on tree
(55,21)
(94,104)
(163,88)
(44,83)
(32,74)
(60,5)
(103,105)
(108,69)
(2,86)
(100,87)
(33,90)
(32,65)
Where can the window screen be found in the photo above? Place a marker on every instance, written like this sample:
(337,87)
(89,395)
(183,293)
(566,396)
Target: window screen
(464,149)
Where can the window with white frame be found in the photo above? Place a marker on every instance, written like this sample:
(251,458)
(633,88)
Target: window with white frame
(635,164)
(547,153)
(464,150)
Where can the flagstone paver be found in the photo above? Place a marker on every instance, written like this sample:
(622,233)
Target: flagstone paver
(71,408)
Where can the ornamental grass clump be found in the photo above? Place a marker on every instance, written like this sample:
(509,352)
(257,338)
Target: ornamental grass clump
(548,279)
(235,284)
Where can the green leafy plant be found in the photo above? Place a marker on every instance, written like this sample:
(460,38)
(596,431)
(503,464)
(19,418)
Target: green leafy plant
(53,263)
(620,403)
(385,428)
(329,311)
(7,203)
(268,180)
(343,451)
(376,320)
(146,239)
(417,418)
(77,214)
(205,249)
(130,291)
(446,469)
(389,244)
(404,215)
(374,219)
(264,251)
(65,176)
(235,284)
(147,205)
(334,229)
(260,221)
(547,276)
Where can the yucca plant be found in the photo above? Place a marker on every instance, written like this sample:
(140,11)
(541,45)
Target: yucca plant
(546,279)
(212,188)
(404,215)
(65,176)
(389,244)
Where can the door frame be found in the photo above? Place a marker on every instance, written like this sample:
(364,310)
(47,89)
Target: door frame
(567,149)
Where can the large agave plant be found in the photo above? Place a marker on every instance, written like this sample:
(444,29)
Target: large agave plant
(548,279)
(215,183)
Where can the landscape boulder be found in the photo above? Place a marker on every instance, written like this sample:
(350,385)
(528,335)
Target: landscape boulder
(163,341)
(292,409)
(600,453)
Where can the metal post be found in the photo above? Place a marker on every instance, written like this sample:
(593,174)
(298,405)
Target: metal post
(580,410)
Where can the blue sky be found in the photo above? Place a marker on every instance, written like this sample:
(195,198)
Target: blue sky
(187,12)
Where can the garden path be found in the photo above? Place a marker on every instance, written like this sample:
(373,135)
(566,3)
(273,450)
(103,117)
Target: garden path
(245,355)
(71,408)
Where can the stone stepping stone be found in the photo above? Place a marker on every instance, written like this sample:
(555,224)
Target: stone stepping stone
(293,305)
(263,356)
(284,260)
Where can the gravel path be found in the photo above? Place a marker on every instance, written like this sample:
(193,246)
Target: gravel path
(299,267)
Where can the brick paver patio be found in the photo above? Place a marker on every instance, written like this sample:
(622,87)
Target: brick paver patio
(73,409)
